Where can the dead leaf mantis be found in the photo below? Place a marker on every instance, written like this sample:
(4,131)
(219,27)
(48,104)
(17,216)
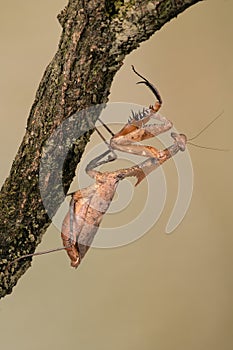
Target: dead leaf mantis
(88,205)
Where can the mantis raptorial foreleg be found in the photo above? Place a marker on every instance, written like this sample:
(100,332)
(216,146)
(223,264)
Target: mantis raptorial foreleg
(137,128)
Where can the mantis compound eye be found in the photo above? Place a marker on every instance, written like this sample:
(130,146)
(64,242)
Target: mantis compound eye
(180,139)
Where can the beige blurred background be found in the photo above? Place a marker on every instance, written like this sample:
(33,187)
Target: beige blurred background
(163,291)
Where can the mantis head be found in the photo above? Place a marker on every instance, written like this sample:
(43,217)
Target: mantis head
(180,139)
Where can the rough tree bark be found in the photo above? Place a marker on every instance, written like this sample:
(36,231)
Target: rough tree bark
(96,37)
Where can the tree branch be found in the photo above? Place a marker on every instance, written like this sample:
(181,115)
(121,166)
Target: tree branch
(96,37)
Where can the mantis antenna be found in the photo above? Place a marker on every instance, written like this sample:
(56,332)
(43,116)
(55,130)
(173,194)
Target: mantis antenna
(202,130)
(207,126)
(212,148)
